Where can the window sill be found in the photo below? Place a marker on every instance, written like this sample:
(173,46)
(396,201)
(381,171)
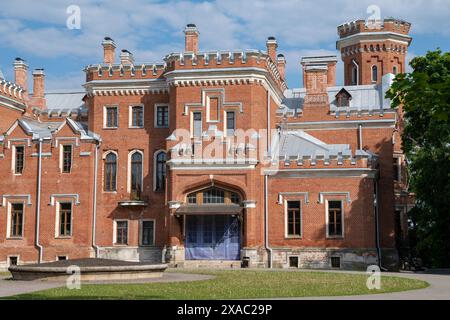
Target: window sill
(120,245)
(136,127)
(63,237)
(110,192)
(335,237)
(293,237)
(162,127)
(110,128)
(14,238)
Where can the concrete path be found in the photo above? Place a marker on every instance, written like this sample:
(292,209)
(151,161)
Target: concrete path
(10,288)
(439,289)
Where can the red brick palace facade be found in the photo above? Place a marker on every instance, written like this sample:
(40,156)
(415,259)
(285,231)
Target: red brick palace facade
(208,158)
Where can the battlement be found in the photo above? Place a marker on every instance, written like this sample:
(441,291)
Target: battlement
(225,59)
(363,26)
(12,90)
(120,71)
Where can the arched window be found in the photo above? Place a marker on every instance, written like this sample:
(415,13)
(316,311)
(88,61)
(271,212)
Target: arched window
(213,196)
(374,73)
(110,172)
(160,171)
(136,175)
(354,76)
(394,70)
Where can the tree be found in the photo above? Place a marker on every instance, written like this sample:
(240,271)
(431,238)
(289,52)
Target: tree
(424,96)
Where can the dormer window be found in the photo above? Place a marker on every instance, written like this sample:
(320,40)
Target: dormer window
(343,98)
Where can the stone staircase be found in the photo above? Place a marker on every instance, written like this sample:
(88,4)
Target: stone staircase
(222,264)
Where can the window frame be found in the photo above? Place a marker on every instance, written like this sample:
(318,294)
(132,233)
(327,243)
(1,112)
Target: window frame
(62,155)
(105,117)
(157,107)
(372,73)
(286,220)
(58,234)
(14,160)
(227,133)
(193,113)
(115,232)
(131,125)
(141,232)
(327,222)
(104,170)
(9,224)
(130,171)
(157,188)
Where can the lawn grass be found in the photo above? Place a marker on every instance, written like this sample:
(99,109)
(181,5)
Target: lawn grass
(236,284)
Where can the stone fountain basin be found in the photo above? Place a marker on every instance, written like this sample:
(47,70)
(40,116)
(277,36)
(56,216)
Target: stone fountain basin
(90,270)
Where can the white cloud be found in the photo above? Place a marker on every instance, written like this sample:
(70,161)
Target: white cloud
(151,29)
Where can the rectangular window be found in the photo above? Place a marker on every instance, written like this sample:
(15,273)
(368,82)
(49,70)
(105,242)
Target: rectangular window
(13,261)
(67,158)
(137,116)
(65,219)
(335,218)
(294,226)
(231,123)
(16,220)
(19,157)
(162,116)
(335,262)
(197,122)
(122,232)
(111,117)
(147,232)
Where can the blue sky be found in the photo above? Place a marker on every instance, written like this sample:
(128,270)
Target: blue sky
(37,31)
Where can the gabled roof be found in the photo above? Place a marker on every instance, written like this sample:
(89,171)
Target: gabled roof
(297,143)
(45,130)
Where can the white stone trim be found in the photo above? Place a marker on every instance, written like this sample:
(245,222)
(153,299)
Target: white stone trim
(105,107)
(75,196)
(57,221)
(281,196)
(8,221)
(115,244)
(130,116)
(155,164)
(334,193)
(5,198)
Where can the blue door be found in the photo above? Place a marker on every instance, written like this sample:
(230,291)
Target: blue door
(212,238)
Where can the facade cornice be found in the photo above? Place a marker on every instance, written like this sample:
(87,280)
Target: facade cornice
(225,76)
(350,124)
(372,37)
(322,173)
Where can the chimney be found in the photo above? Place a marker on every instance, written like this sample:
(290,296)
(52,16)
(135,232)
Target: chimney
(271,44)
(326,64)
(281,64)
(38,98)
(126,58)
(21,73)
(109,48)
(191,38)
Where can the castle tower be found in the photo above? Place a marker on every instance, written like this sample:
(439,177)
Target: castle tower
(371,50)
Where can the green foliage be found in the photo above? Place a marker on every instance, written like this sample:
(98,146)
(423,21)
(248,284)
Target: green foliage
(424,95)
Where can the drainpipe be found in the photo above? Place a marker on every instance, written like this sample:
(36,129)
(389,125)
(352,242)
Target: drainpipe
(377,227)
(38,202)
(266,221)
(94,202)
(360,136)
